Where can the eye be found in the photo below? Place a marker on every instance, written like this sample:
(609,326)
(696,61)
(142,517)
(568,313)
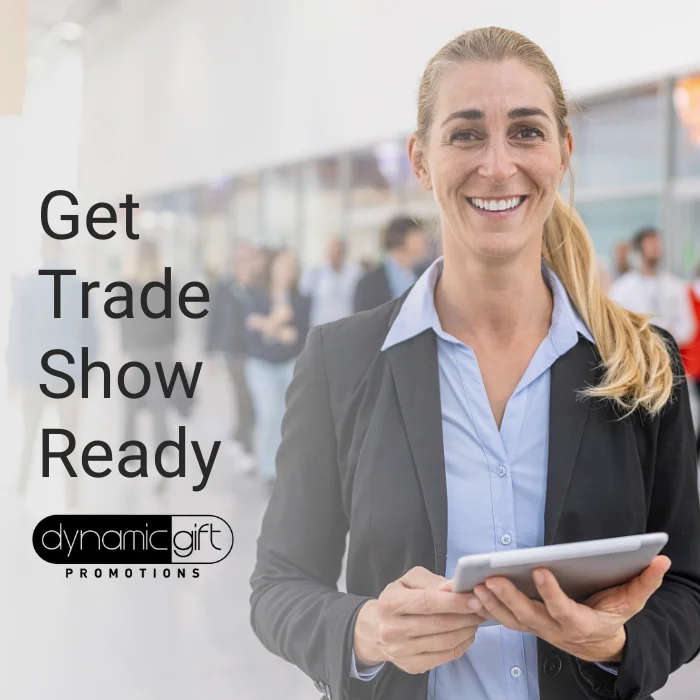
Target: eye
(528,133)
(464,136)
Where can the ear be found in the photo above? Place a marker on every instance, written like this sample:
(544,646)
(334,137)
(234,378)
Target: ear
(567,150)
(416,154)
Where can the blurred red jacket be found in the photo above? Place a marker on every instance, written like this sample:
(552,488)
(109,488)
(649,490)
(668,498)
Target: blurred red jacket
(691,352)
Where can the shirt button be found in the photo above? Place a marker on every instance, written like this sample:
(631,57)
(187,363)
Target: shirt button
(506,539)
(502,471)
(516,672)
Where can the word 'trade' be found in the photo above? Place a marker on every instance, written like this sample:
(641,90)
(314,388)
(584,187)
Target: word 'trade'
(100,451)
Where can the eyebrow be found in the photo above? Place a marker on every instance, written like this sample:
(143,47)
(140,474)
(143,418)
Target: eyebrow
(517,113)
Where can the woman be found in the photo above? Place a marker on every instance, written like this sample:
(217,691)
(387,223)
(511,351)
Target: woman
(277,324)
(503,402)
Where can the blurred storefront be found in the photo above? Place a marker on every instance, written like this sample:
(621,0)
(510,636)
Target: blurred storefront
(636,164)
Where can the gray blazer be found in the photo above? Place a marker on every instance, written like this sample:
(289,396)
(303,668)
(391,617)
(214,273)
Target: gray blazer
(362,453)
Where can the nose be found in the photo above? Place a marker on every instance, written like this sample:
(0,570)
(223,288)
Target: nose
(497,163)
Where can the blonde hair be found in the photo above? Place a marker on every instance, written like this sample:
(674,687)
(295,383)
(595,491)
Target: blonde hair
(635,359)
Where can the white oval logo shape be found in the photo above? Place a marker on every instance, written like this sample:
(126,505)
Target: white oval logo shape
(200,539)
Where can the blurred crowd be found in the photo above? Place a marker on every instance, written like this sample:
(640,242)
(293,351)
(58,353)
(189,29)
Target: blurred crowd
(262,305)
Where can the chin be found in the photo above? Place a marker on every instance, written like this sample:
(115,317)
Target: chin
(498,246)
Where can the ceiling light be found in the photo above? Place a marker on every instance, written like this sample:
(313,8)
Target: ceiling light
(70,31)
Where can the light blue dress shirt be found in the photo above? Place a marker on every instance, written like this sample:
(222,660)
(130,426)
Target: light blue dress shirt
(400,279)
(496,480)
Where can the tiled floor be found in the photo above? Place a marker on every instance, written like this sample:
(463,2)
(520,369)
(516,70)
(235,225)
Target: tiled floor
(146,639)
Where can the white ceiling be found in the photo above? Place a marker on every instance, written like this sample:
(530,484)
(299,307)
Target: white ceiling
(46,15)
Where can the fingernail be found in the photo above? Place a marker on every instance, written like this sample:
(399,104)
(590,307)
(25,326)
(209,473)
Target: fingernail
(474,604)
(539,577)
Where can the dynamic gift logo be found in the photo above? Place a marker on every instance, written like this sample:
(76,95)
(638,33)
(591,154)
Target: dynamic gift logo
(132,539)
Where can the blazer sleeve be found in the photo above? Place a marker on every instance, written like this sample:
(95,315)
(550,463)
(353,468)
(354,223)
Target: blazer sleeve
(297,611)
(666,634)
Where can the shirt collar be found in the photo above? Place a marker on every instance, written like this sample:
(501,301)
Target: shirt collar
(418,312)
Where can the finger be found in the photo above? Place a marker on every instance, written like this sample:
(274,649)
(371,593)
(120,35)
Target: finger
(414,626)
(472,600)
(434,602)
(529,613)
(559,606)
(443,642)
(497,611)
(425,662)
(640,589)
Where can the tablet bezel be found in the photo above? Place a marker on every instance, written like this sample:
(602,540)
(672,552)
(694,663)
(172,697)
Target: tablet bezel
(633,553)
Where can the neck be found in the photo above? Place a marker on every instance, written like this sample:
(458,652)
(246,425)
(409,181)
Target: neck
(493,302)
(401,259)
(647,268)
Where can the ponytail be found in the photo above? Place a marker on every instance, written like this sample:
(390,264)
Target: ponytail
(636,362)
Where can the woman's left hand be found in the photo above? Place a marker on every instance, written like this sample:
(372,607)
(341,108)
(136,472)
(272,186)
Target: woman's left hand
(593,631)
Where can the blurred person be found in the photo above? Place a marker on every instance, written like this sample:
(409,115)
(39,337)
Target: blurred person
(622,258)
(331,286)
(405,246)
(226,334)
(651,291)
(434,249)
(277,324)
(604,274)
(148,340)
(690,352)
(503,402)
(33,331)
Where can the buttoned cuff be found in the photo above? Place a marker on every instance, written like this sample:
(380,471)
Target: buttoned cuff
(367,674)
(610,668)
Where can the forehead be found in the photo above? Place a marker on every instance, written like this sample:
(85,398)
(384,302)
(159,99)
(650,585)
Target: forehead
(495,88)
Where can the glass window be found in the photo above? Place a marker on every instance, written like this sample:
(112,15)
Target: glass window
(374,196)
(686,230)
(246,209)
(322,207)
(619,142)
(610,222)
(686,102)
(418,201)
(213,203)
(280,209)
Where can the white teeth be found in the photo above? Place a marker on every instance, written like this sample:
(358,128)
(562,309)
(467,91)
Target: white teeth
(496,204)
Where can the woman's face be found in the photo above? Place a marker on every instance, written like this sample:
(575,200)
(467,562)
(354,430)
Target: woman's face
(284,269)
(494,158)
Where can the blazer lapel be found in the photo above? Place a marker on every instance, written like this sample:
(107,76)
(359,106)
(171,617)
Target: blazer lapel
(573,371)
(414,365)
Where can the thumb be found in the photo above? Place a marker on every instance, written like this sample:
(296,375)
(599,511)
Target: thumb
(420,578)
(639,589)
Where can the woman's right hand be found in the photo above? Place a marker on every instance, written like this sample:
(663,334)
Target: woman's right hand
(416,626)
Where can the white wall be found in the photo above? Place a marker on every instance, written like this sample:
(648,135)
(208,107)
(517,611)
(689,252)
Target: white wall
(190,90)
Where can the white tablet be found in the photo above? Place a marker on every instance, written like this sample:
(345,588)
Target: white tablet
(581,568)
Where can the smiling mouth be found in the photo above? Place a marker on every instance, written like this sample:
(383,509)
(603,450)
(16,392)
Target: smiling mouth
(496,206)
